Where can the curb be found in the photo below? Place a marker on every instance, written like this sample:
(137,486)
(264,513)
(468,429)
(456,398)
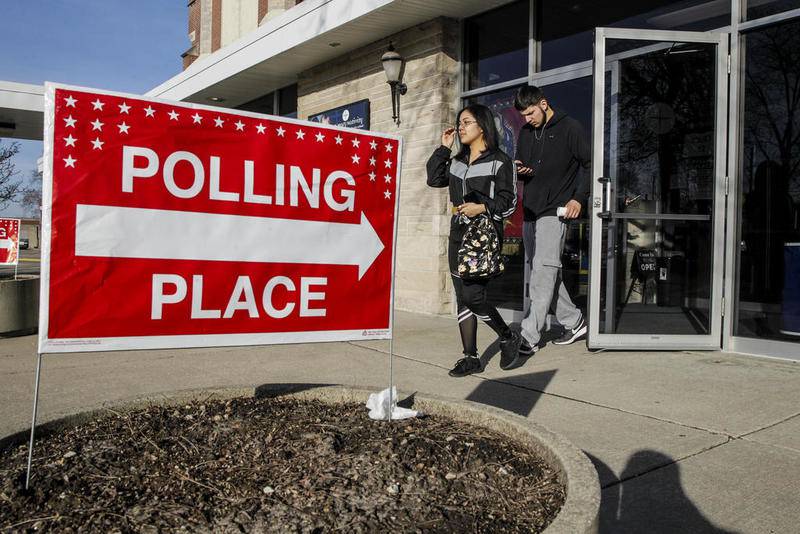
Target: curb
(578,515)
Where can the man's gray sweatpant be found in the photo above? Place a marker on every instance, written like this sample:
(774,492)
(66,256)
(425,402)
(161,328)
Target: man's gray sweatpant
(544,242)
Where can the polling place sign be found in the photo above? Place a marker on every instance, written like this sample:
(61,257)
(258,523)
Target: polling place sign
(9,241)
(169,224)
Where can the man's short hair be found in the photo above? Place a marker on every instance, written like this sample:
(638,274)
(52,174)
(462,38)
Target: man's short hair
(528,96)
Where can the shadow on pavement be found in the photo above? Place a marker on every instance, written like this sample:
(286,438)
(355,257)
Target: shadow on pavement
(655,504)
(519,400)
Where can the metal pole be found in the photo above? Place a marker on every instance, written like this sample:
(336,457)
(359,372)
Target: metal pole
(33,420)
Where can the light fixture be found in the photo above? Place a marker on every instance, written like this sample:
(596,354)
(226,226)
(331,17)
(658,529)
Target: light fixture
(216,99)
(393,66)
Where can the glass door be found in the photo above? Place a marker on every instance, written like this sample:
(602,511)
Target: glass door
(658,189)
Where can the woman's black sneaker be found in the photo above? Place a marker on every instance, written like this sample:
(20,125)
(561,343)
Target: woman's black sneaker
(466,366)
(509,350)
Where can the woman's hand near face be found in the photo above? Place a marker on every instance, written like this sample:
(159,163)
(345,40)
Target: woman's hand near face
(448,137)
(471,209)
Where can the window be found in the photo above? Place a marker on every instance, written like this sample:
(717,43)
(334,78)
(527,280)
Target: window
(762,8)
(768,300)
(496,46)
(565,29)
(283,100)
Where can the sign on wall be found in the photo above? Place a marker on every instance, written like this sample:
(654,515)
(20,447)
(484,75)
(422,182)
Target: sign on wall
(355,115)
(175,225)
(9,241)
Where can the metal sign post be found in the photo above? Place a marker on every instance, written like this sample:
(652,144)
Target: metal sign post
(33,419)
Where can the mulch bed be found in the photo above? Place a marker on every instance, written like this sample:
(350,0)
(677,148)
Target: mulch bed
(275,465)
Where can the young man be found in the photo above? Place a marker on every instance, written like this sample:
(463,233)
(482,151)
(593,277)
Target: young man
(550,152)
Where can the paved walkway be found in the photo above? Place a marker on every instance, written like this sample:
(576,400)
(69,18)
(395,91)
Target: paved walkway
(682,441)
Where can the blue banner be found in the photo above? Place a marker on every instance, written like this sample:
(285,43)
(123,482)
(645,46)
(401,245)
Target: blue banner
(355,115)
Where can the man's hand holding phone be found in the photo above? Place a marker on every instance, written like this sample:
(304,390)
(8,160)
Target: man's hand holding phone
(522,170)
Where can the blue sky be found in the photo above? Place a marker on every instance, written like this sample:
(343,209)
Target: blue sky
(119,45)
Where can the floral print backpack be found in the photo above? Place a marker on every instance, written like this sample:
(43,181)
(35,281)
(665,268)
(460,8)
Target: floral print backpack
(479,256)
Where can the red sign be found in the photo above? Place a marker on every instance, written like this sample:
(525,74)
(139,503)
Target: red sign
(174,225)
(9,241)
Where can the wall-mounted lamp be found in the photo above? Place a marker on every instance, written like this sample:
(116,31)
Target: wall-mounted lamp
(393,64)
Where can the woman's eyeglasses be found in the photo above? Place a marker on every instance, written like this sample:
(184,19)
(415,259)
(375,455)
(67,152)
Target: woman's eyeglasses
(464,124)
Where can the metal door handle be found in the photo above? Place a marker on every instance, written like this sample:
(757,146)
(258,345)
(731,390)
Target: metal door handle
(606,196)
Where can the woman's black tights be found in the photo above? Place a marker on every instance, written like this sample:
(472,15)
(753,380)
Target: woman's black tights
(473,305)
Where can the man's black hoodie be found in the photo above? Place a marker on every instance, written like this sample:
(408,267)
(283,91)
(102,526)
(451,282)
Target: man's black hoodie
(555,152)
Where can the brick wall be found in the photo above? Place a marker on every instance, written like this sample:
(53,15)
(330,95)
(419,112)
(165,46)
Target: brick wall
(216,24)
(194,34)
(262,9)
(423,282)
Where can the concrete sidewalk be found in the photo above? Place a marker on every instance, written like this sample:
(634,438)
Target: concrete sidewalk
(682,441)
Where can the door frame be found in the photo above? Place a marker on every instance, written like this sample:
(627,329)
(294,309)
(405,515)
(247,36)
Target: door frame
(711,340)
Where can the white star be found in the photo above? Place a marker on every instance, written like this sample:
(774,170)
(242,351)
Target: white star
(388,147)
(123,128)
(69,161)
(372,177)
(97,125)
(70,102)
(372,161)
(98,144)
(301,134)
(239,125)
(320,137)
(338,140)
(70,122)
(387,194)
(373,145)
(70,140)
(280,131)
(387,179)
(149,111)
(355,158)
(97,104)
(173,115)
(197,118)
(218,122)
(261,128)
(388,163)
(123,108)
(356,142)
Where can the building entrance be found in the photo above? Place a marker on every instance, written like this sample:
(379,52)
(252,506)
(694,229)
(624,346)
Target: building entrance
(658,195)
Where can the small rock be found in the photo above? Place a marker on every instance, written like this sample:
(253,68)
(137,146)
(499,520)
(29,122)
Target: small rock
(70,454)
(393,489)
(451,476)
(268,490)
(449,438)
(217,418)
(502,471)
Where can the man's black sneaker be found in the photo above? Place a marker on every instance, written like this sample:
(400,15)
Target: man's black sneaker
(572,335)
(509,349)
(466,366)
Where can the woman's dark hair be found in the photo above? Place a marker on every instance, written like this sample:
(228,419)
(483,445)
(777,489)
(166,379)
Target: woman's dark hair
(528,96)
(485,119)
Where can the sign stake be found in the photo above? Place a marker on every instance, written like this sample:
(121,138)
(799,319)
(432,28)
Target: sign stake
(33,419)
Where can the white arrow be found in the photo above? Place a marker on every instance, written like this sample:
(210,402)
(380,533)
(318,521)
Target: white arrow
(7,243)
(116,232)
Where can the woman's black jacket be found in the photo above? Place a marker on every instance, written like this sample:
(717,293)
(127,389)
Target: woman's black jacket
(490,180)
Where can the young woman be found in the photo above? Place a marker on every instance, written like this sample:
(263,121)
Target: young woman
(482,179)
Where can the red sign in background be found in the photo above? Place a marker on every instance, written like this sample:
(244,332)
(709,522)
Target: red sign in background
(116,213)
(9,241)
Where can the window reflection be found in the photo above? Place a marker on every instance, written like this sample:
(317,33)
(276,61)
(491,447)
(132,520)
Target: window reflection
(566,28)
(496,45)
(763,8)
(768,303)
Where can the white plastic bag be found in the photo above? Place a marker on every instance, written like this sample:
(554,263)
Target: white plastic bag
(378,405)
